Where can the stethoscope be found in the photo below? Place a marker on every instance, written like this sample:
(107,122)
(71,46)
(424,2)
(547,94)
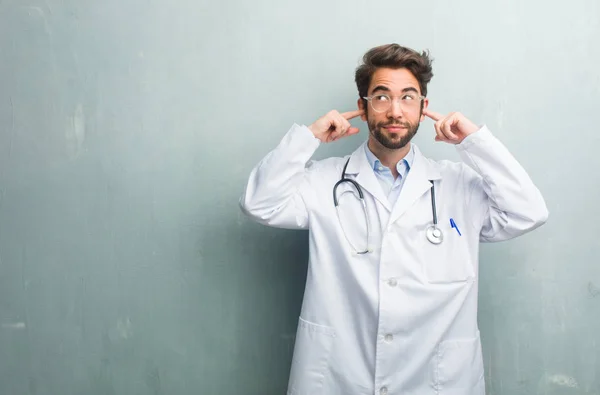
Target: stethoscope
(433,232)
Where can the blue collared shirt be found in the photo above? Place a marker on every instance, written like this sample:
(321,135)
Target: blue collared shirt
(391,187)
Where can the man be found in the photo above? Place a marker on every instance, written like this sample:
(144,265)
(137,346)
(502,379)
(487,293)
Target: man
(390,305)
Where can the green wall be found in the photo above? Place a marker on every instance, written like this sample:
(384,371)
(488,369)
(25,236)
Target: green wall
(128,129)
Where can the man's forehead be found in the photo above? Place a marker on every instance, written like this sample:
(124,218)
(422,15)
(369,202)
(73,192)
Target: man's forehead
(393,79)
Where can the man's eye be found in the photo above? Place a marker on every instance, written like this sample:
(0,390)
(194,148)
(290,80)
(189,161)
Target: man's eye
(409,97)
(382,98)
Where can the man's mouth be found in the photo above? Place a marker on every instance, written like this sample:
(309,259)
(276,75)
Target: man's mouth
(395,128)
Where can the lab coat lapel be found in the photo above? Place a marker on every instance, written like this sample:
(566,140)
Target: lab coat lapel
(360,168)
(416,184)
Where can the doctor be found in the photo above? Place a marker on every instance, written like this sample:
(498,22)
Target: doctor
(390,305)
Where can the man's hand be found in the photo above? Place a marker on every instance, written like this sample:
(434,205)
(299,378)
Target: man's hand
(334,125)
(452,128)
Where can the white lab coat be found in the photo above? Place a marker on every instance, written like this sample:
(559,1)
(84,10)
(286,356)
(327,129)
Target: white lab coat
(402,319)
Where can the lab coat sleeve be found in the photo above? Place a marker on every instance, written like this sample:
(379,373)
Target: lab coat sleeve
(508,202)
(273,194)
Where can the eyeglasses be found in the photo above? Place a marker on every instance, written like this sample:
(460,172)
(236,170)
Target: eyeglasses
(381,103)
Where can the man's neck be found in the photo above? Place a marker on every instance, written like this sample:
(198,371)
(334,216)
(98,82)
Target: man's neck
(388,157)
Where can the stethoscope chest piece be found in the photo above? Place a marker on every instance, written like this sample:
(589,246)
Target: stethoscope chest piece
(434,234)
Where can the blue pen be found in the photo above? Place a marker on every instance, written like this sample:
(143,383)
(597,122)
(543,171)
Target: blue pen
(453,224)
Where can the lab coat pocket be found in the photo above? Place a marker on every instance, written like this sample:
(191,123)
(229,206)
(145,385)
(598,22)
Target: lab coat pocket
(311,355)
(459,367)
(450,261)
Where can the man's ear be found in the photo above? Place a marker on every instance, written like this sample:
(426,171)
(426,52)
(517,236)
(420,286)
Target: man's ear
(361,106)
(425,105)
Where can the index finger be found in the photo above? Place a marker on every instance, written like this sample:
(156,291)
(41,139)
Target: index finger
(352,114)
(433,115)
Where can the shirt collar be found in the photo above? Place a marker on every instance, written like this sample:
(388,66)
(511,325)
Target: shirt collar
(402,167)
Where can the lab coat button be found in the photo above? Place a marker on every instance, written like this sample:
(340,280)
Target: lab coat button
(392,282)
(383,391)
(389,338)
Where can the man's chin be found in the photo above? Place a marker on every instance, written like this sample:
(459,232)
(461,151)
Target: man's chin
(395,144)
(395,141)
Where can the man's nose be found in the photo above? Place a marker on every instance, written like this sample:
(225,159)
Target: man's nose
(395,110)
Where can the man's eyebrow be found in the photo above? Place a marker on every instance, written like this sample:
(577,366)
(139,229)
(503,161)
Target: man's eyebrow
(410,89)
(386,89)
(381,88)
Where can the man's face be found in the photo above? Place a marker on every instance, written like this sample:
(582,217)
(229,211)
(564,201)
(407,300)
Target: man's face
(395,127)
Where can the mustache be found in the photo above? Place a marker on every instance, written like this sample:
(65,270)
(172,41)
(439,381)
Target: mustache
(394,123)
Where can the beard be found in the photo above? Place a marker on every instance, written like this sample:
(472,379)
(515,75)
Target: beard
(393,141)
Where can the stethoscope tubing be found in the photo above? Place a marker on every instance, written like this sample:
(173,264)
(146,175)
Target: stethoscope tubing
(433,233)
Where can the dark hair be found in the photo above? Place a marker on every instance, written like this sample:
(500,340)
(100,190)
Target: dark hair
(396,57)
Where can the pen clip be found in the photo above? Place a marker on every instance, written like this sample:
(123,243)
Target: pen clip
(453,224)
